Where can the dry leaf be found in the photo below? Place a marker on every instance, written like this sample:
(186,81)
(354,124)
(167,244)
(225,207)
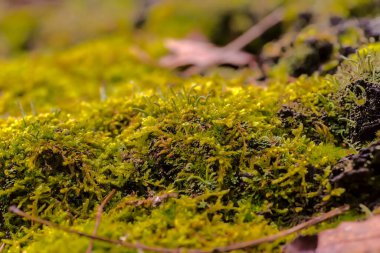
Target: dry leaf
(201,54)
(348,237)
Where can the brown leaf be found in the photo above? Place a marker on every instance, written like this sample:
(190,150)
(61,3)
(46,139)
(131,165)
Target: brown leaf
(201,54)
(348,237)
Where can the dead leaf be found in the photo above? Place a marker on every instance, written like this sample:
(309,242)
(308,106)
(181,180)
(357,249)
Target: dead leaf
(348,237)
(201,54)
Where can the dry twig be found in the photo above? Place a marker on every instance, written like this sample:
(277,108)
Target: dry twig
(2,247)
(272,238)
(99,217)
(17,211)
(228,248)
(257,30)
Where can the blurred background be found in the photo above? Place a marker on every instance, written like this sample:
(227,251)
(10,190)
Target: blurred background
(35,25)
(56,54)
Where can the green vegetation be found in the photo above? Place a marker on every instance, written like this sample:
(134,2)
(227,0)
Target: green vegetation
(242,160)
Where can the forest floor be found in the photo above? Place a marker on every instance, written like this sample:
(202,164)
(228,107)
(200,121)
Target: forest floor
(189,126)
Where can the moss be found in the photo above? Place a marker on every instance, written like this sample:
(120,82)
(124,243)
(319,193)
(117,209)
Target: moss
(223,149)
(238,160)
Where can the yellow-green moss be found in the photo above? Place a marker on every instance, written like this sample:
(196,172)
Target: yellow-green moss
(203,140)
(245,160)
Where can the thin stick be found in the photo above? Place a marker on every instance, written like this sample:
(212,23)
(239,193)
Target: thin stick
(2,247)
(228,248)
(99,217)
(252,33)
(272,238)
(257,30)
(17,211)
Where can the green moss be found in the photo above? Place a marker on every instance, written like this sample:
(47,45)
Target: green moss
(221,148)
(244,160)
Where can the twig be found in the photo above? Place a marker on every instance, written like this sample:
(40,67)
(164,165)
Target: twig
(272,238)
(251,34)
(2,247)
(256,30)
(228,248)
(17,211)
(99,217)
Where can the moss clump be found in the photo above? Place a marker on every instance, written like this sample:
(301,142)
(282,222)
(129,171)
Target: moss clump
(221,149)
(196,162)
(346,111)
(360,93)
